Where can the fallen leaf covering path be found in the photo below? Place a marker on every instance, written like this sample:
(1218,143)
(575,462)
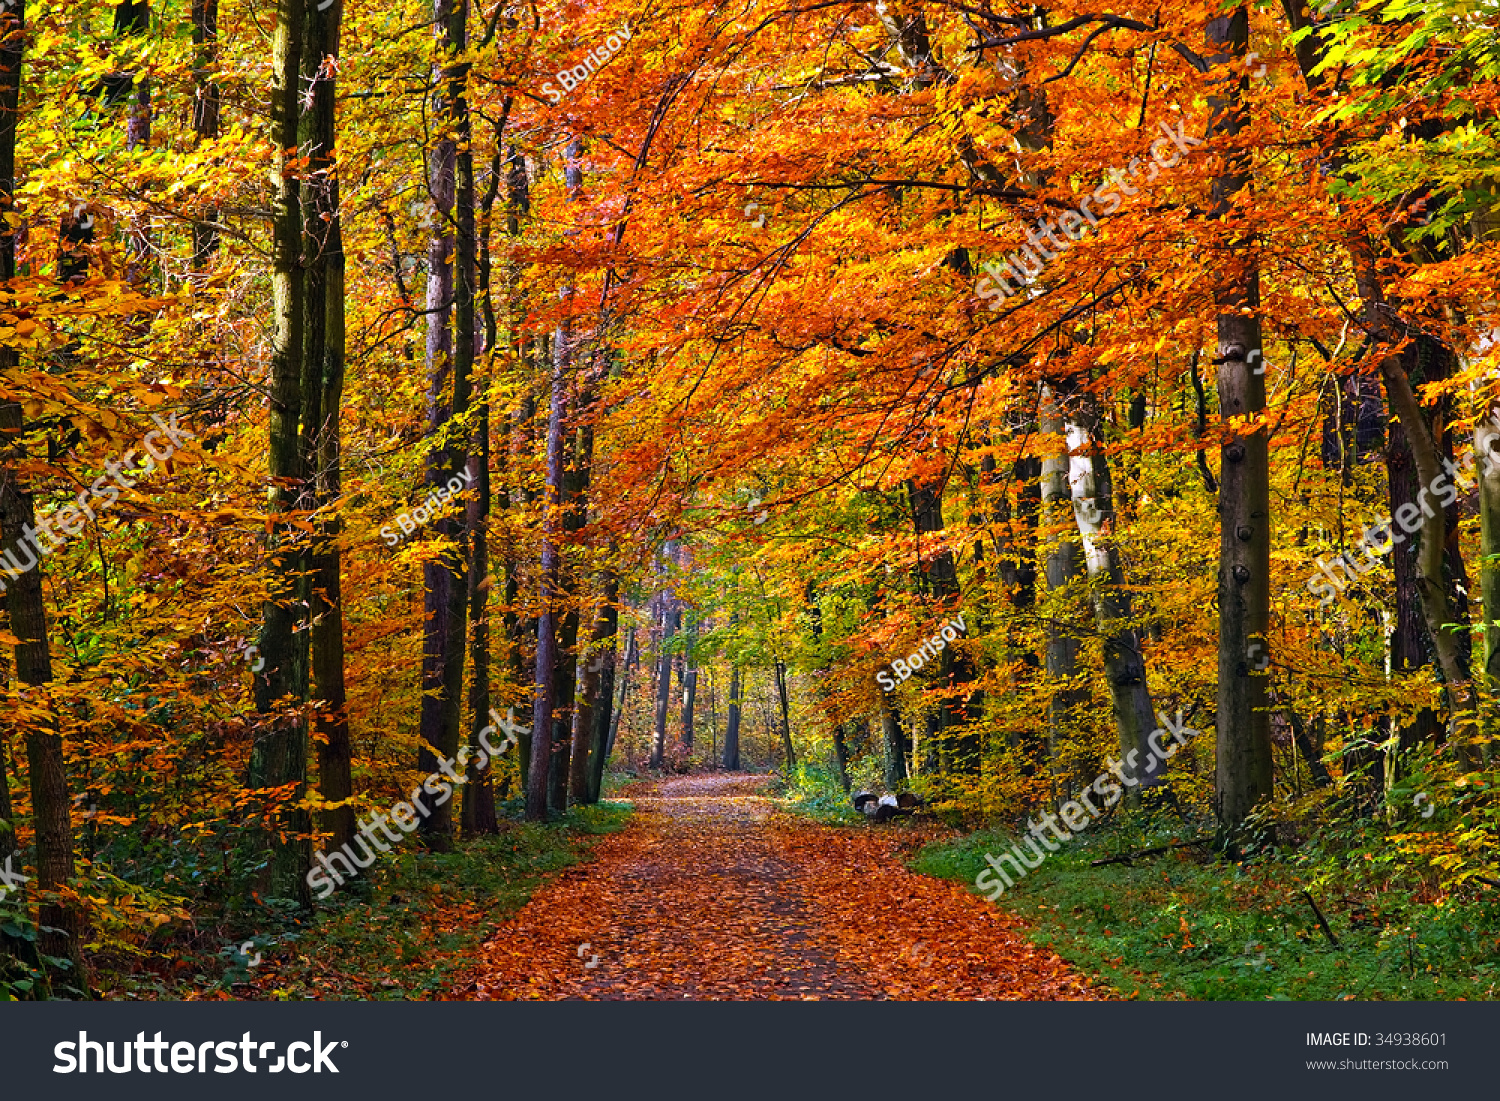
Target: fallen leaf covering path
(713,892)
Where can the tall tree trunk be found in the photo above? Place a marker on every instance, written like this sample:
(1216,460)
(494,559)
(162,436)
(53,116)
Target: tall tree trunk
(1124,659)
(61,930)
(133,20)
(689,685)
(575,476)
(279,755)
(12,45)
(1447,618)
(732,731)
(1243,776)
(479,796)
(671,621)
(323,362)
(479,814)
(596,700)
(1488,467)
(513,494)
(450,365)
(1062,568)
(786,719)
(537,780)
(959,751)
(206,100)
(1409,646)
(632,659)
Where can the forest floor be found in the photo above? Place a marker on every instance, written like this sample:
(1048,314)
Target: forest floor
(713,891)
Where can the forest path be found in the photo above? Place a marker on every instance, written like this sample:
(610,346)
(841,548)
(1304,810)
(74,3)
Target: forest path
(713,892)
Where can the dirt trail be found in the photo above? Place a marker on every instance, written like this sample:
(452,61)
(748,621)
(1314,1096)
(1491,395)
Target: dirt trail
(714,893)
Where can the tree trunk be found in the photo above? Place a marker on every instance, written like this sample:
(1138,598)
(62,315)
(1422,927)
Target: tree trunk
(479,816)
(732,731)
(1445,622)
(786,719)
(1243,776)
(958,751)
(538,779)
(205,17)
(671,620)
(1062,568)
(323,362)
(1124,658)
(279,755)
(632,658)
(841,756)
(12,46)
(517,206)
(894,740)
(576,482)
(451,176)
(1488,467)
(689,687)
(597,699)
(479,795)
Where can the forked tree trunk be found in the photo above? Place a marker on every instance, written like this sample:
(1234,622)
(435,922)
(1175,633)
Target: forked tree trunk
(786,718)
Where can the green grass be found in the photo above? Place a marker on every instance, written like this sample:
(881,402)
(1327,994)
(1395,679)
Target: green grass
(404,932)
(1186,925)
(813,793)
